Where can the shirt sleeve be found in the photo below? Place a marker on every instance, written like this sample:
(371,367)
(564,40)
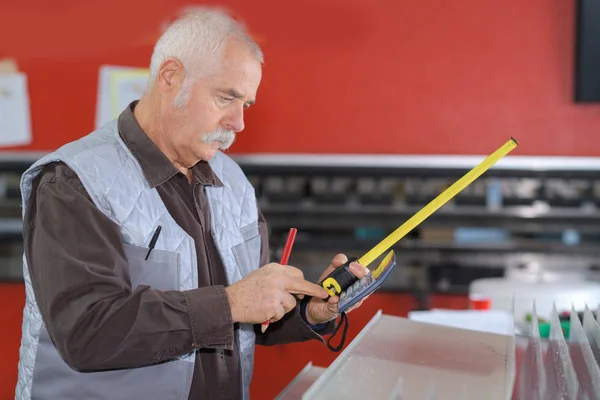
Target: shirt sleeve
(80,277)
(292,327)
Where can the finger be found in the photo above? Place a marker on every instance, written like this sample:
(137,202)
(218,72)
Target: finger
(326,273)
(356,305)
(339,260)
(359,303)
(293,272)
(279,313)
(358,270)
(288,302)
(306,288)
(333,306)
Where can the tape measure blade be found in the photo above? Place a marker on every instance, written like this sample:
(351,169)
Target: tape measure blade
(437,203)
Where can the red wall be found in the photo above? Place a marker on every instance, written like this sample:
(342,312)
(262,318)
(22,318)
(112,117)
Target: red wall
(401,76)
(419,76)
(12,298)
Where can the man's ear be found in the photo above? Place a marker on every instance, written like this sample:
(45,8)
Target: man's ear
(170,76)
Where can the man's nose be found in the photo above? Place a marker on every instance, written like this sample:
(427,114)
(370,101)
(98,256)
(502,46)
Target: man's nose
(235,120)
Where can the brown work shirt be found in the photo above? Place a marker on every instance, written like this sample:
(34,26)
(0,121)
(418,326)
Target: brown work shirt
(81,281)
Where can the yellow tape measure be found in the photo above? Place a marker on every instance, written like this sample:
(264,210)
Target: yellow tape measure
(341,278)
(436,203)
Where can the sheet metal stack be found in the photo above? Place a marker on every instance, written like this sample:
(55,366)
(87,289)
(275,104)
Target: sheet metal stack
(558,368)
(397,358)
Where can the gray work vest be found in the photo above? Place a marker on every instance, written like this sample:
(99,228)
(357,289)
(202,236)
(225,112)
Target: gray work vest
(115,182)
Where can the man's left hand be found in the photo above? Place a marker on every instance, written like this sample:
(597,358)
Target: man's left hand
(319,311)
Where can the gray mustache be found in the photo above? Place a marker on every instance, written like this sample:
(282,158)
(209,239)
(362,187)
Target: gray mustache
(226,137)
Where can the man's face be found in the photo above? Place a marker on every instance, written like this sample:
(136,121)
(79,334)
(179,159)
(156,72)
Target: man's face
(207,117)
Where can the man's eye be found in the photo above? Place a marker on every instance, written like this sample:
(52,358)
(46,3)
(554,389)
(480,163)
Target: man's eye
(225,99)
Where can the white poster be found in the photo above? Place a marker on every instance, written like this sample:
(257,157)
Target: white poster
(15,116)
(117,87)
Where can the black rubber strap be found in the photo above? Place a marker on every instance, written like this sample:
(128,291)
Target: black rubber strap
(344,319)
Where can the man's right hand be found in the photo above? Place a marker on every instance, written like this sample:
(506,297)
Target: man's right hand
(267,293)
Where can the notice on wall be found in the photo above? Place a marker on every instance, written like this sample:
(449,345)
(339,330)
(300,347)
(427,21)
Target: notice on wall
(15,115)
(117,88)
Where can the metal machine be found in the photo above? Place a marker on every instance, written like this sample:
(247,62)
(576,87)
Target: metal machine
(525,216)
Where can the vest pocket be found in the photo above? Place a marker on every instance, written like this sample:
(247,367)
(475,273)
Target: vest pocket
(160,271)
(247,253)
(53,378)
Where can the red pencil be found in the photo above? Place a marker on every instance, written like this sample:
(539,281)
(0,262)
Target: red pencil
(285,256)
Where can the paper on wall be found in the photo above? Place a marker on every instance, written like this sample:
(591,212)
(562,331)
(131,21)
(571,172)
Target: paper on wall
(117,87)
(8,66)
(15,116)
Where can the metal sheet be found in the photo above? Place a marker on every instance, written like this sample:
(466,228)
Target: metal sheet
(302,381)
(592,332)
(460,363)
(532,374)
(585,365)
(567,384)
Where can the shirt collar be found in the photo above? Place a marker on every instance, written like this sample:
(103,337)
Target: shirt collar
(157,168)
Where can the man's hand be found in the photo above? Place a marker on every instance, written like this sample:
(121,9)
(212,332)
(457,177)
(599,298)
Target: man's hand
(267,293)
(319,311)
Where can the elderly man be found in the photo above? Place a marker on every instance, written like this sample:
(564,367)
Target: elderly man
(143,241)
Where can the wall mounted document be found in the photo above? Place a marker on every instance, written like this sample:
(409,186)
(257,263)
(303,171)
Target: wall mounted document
(15,117)
(117,87)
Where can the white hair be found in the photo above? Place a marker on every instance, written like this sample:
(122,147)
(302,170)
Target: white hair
(197,39)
